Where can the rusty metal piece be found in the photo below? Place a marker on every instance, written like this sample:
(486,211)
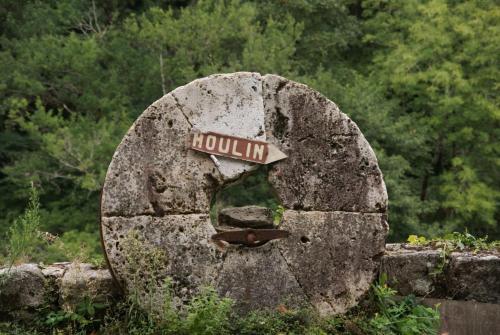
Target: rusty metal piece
(250,237)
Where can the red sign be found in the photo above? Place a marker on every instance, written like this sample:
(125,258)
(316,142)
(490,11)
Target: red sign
(235,147)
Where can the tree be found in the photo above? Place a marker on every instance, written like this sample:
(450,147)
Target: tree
(438,60)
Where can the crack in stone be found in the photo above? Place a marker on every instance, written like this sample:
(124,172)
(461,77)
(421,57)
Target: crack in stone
(221,269)
(177,103)
(113,215)
(223,252)
(280,86)
(205,213)
(309,299)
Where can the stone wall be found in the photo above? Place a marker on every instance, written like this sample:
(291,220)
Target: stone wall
(429,273)
(27,288)
(410,270)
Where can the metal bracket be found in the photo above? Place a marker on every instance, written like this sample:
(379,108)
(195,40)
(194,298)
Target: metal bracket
(250,237)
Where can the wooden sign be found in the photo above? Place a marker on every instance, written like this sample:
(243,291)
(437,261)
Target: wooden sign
(235,147)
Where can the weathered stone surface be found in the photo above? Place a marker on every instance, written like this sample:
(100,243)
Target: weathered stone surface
(226,103)
(84,280)
(161,190)
(192,260)
(55,271)
(22,289)
(259,278)
(153,174)
(246,216)
(410,271)
(330,165)
(333,255)
(427,272)
(53,277)
(474,277)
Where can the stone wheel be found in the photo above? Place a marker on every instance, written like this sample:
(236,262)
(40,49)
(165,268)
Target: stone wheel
(330,185)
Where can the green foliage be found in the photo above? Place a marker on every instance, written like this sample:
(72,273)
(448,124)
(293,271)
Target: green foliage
(436,60)
(253,189)
(453,242)
(283,321)
(207,313)
(8,328)
(78,322)
(389,316)
(26,242)
(24,234)
(278,215)
(456,242)
(400,317)
(79,246)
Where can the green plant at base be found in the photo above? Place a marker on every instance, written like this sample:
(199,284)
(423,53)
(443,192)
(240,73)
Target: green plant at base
(24,235)
(281,321)
(10,328)
(149,308)
(400,317)
(208,314)
(456,241)
(386,316)
(81,321)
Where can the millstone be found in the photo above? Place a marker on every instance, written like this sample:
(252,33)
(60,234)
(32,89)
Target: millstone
(158,192)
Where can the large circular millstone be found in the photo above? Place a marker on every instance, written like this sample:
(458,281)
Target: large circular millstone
(157,194)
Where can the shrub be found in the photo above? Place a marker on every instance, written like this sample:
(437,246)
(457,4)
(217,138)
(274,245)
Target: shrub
(24,235)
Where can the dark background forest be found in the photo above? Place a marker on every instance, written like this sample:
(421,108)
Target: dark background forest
(420,78)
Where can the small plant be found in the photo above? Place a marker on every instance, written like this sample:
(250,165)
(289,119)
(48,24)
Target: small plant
(456,241)
(208,314)
(453,242)
(24,235)
(278,215)
(279,321)
(10,328)
(400,317)
(417,240)
(81,321)
(386,315)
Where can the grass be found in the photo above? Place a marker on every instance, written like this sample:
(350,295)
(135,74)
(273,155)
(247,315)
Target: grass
(209,314)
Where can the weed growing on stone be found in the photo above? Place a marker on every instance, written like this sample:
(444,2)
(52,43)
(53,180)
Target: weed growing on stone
(456,242)
(24,235)
(145,264)
(205,314)
(82,320)
(278,214)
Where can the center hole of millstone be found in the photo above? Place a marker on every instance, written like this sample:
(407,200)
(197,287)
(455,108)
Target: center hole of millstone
(248,203)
